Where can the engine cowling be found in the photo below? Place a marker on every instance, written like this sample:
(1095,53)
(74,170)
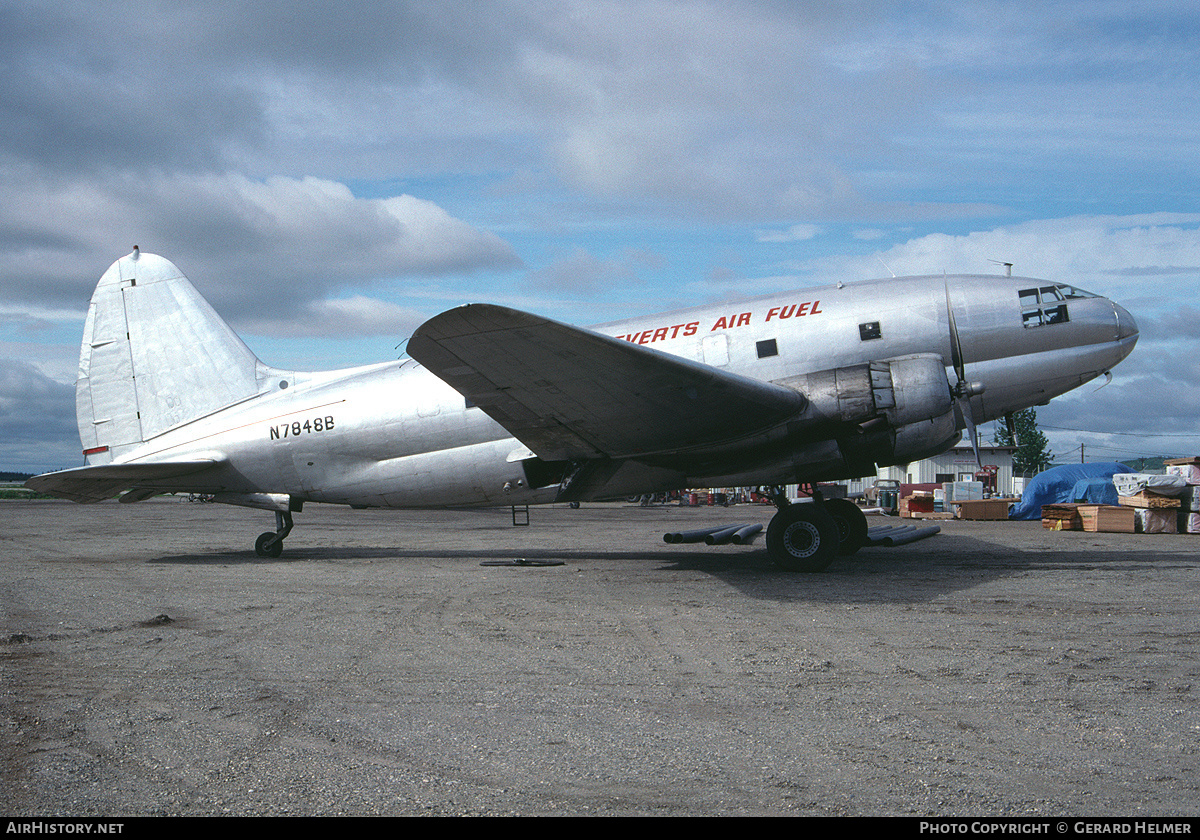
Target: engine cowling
(884,412)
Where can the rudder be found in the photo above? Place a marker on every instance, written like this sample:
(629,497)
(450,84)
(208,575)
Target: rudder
(154,355)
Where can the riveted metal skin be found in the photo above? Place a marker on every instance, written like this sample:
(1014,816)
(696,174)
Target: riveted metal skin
(501,407)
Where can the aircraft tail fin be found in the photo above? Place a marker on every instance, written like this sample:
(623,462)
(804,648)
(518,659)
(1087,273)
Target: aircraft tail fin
(154,355)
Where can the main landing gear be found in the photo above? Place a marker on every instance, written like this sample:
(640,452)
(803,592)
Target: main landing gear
(807,537)
(270,543)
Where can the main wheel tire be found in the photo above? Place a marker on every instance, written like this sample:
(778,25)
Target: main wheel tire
(851,524)
(262,549)
(802,538)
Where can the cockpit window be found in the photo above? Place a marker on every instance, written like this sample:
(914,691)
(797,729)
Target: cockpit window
(1072,293)
(1046,304)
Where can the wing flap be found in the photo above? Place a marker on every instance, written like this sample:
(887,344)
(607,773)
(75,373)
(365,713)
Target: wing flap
(569,393)
(95,484)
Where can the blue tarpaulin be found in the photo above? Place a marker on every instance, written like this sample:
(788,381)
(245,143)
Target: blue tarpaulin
(1056,486)
(1095,491)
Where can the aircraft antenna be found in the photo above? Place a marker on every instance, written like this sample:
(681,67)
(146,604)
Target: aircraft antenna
(885,265)
(1007,267)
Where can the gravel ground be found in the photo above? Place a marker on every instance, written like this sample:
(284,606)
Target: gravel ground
(151,664)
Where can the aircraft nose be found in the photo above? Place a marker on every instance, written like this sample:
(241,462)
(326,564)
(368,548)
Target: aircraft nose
(1126,326)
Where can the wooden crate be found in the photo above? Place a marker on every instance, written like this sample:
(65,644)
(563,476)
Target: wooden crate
(992,509)
(1112,519)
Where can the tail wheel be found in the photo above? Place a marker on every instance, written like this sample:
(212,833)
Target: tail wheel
(851,525)
(802,538)
(264,547)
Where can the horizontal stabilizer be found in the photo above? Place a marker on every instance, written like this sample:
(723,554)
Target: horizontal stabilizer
(95,484)
(569,393)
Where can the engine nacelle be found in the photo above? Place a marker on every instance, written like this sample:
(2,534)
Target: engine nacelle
(886,412)
(901,391)
(923,439)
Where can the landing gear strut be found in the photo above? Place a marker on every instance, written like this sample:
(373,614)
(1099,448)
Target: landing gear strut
(270,543)
(807,537)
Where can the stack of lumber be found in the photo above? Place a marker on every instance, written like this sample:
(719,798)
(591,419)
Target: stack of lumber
(1112,519)
(1153,514)
(1155,498)
(1061,518)
(1147,504)
(1188,518)
(1188,468)
(1149,499)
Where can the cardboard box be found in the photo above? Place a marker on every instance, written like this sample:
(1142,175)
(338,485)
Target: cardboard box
(957,491)
(1110,519)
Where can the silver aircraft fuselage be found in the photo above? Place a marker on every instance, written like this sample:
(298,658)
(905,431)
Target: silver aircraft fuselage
(395,435)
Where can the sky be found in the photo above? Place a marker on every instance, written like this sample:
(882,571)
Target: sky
(331,175)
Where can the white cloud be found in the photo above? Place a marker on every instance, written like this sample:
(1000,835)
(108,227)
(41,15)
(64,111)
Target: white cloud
(355,316)
(796,233)
(714,109)
(1103,254)
(258,246)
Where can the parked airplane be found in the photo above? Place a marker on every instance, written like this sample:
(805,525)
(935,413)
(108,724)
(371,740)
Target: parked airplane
(500,407)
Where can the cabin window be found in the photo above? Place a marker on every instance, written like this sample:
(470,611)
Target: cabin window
(767,348)
(869,331)
(1045,305)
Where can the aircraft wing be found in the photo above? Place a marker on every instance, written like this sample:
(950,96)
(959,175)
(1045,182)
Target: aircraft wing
(569,393)
(97,483)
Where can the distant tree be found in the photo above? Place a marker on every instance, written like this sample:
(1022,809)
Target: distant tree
(1033,454)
